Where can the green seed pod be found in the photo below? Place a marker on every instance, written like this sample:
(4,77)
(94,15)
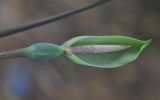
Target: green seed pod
(96,51)
(43,51)
(103,51)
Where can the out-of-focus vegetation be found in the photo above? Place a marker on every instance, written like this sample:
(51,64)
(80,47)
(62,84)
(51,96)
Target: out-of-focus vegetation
(59,79)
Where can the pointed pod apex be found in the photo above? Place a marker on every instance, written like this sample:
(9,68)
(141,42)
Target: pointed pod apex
(43,51)
(147,42)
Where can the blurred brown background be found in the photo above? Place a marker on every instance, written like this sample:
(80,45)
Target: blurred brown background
(59,79)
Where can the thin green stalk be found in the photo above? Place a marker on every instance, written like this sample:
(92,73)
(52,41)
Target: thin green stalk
(12,53)
(50,19)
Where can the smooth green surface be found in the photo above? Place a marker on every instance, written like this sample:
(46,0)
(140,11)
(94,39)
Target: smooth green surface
(110,59)
(43,51)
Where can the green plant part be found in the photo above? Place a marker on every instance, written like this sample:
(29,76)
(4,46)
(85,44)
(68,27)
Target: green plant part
(43,51)
(37,51)
(104,51)
(95,51)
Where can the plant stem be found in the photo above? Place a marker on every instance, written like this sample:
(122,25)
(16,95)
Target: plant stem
(12,53)
(50,19)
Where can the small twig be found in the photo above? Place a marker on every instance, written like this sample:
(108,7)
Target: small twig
(50,19)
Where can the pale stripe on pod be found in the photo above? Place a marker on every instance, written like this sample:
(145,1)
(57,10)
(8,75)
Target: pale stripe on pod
(83,49)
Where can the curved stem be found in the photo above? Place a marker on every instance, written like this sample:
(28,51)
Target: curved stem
(50,19)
